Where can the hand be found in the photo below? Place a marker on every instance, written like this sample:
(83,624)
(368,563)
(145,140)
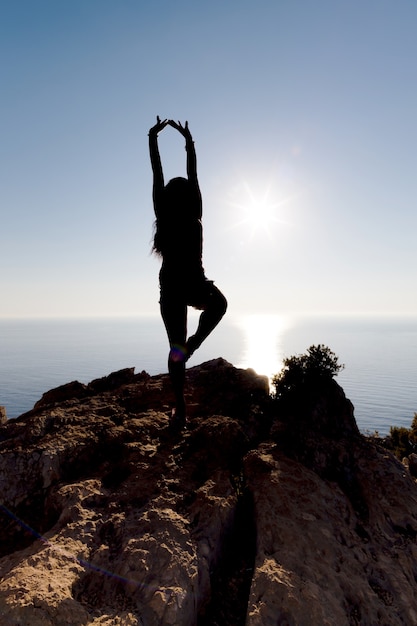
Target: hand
(158,126)
(184,130)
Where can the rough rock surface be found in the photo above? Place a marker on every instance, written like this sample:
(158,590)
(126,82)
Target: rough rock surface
(258,514)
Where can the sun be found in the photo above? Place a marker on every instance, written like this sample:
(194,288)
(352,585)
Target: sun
(259,211)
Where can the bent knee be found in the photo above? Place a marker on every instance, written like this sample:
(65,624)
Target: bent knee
(220,303)
(224,305)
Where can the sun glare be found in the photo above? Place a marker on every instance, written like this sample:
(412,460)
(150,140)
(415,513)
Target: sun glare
(259,211)
(263,336)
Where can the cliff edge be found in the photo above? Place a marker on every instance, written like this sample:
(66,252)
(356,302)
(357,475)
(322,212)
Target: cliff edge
(258,514)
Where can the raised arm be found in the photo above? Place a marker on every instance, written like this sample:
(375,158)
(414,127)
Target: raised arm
(158,175)
(189,146)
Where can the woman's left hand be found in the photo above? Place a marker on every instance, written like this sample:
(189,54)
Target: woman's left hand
(184,130)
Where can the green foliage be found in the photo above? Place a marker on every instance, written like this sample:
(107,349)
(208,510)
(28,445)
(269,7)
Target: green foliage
(413,429)
(319,363)
(399,441)
(403,441)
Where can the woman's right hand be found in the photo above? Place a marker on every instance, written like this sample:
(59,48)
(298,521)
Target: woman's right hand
(160,125)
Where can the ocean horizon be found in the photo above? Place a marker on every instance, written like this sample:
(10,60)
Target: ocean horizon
(379,354)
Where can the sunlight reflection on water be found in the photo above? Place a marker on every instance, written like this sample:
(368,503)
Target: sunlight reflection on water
(263,342)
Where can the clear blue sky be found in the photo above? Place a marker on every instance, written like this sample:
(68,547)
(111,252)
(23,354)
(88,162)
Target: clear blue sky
(303,114)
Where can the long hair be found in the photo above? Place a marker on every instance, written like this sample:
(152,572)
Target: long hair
(175,211)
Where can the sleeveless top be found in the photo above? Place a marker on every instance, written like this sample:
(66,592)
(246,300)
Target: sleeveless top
(182,257)
(181,237)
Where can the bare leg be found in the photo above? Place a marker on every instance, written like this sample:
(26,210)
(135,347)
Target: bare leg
(174,316)
(214,309)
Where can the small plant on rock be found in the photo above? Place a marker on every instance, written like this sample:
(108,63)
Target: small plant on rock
(319,363)
(400,441)
(403,441)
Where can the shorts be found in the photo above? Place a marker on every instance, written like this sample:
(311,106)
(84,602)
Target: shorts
(196,293)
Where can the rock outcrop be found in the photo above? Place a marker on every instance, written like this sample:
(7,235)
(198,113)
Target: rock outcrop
(258,514)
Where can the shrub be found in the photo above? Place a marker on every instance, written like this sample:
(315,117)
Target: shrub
(403,441)
(400,443)
(413,429)
(319,363)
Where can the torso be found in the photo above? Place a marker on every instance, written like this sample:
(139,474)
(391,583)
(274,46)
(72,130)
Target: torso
(184,251)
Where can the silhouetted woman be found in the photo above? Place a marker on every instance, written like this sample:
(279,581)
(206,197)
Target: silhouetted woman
(179,241)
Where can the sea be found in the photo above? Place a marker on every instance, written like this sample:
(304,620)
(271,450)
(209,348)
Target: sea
(379,354)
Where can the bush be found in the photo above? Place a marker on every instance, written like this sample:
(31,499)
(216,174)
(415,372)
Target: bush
(400,441)
(320,363)
(413,429)
(403,441)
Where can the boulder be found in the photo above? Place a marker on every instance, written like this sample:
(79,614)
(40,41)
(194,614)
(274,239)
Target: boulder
(257,514)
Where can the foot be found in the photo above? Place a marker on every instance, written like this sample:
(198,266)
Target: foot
(177,421)
(191,347)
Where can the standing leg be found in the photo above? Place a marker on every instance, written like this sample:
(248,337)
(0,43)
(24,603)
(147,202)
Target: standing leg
(214,307)
(174,315)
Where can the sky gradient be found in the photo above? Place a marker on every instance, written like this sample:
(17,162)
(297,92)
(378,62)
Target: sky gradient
(303,115)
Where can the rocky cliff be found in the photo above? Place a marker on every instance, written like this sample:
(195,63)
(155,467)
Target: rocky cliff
(258,514)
